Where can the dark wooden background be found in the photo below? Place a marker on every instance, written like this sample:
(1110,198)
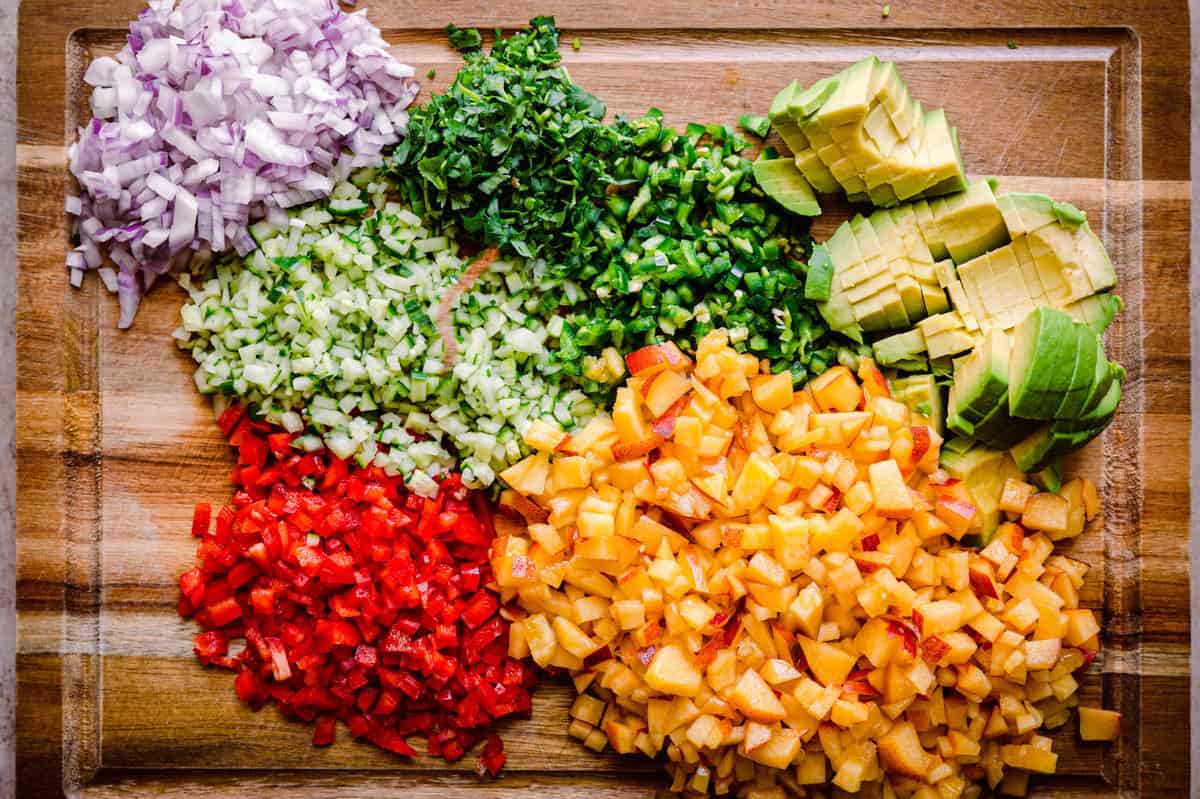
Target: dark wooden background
(1089,102)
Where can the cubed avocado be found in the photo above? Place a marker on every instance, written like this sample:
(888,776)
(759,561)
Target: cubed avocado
(782,182)
(782,121)
(984,471)
(956,182)
(945,273)
(950,343)
(1077,255)
(958,298)
(971,222)
(1043,363)
(850,99)
(910,294)
(838,313)
(899,347)
(883,310)
(1084,376)
(929,230)
(1030,452)
(1024,213)
(1094,259)
(1096,311)
(937,161)
(1029,271)
(868,241)
(883,135)
(923,396)
(941,323)
(815,171)
(843,248)
(981,378)
(803,103)
(864,290)
(888,91)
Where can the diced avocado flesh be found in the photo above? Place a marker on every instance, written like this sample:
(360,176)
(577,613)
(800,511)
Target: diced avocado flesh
(971,222)
(984,471)
(899,347)
(923,396)
(782,182)
(1096,311)
(861,130)
(1033,449)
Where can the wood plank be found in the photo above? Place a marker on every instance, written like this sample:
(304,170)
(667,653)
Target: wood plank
(109,425)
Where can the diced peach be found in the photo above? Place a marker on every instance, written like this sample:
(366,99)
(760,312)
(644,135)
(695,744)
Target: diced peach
(836,390)
(1015,495)
(957,515)
(1047,512)
(755,699)
(778,752)
(772,393)
(664,392)
(902,753)
(755,480)
(1099,725)
(828,663)
(1027,757)
(672,672)
(892,498)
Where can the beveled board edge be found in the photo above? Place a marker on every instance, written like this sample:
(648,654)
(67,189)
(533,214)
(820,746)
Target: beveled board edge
(1194,292)
(8,404)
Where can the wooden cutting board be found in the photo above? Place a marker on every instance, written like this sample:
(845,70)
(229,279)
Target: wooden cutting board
(1088,102)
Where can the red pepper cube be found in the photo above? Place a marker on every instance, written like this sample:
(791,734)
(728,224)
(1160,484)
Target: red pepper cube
(325,731)
(224,612)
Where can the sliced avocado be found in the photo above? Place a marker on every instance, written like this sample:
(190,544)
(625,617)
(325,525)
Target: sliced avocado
(782,182)
(1084,375)
(1043,363)
(984,471)
(1029,453)
(1001,431)
(971,222)
(899,347)
(923,396)
(1102,377)
(981,378)
(1096,311)
(819,278)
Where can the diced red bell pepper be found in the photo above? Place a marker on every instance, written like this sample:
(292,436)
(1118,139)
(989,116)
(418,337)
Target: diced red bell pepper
(385,623)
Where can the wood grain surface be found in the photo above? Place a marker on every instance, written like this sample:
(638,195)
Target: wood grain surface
(1087,101)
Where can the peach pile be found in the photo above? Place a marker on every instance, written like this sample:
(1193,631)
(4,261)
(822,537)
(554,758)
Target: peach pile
(767,584)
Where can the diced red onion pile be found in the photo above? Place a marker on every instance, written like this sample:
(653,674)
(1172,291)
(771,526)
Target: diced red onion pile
(217,113)
(357,600)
